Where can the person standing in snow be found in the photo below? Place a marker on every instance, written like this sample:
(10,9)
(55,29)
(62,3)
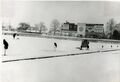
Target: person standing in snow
(14,35)
(55,45)
(5,43)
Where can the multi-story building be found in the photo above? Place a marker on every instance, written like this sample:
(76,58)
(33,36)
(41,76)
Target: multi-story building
(83,30)
(69,29)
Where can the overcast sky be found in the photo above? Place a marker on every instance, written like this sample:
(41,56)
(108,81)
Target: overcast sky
(33,12)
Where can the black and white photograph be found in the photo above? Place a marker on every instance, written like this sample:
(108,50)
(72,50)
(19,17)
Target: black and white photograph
(60,41)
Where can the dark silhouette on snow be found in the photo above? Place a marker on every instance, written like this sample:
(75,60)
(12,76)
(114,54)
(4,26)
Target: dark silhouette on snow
(14,35)
(85,43)
(5,43)
(102,46)
(111,46)
(55,44)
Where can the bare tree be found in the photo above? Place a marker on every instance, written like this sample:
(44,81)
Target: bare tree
(41,26)
(55,25)
(110,26)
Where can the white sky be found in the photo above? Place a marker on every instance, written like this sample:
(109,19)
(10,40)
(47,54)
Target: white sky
(33,12)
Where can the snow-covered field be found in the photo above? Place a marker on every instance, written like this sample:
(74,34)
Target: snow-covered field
(95,67)
(41,46)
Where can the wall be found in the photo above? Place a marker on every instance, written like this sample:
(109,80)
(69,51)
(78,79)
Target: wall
(81,29)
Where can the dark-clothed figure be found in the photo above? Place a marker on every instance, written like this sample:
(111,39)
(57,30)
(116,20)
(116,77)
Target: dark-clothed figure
(5,43)
(55,45)
(14,35)
(85,43)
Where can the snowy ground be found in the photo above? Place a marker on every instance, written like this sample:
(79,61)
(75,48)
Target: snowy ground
(34,46)
(104,67)
(94,67)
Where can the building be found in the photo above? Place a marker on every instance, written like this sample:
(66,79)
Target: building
(33,29)
(83,30)
(69,29)
(90,30)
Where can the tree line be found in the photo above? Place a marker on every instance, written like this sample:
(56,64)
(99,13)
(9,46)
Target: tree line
(112,28)
(41,27)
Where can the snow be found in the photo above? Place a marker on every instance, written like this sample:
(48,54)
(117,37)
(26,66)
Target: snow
(95,67)
(86,68)
(44,47)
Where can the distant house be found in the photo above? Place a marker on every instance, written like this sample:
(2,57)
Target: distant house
(51,31)
(33,29)
(6,28)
